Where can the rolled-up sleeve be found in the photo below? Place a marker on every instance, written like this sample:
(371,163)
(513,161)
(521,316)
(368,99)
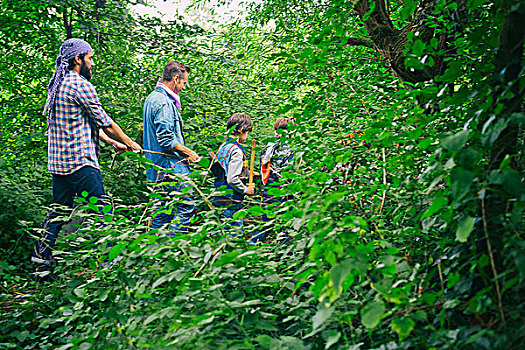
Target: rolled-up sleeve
(88,98)
(167,129)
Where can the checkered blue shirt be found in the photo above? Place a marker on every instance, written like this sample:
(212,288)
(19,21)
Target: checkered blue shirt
(73,140)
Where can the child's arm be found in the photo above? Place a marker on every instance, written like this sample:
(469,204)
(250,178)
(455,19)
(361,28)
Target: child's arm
(234,171)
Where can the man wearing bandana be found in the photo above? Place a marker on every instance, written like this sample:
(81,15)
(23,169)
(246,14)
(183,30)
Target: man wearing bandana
(163,133)
(76,122)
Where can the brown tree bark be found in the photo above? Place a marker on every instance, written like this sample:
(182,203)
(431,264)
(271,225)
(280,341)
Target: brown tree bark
(390,42)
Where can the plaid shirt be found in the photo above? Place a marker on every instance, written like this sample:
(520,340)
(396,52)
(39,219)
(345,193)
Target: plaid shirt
(73,133)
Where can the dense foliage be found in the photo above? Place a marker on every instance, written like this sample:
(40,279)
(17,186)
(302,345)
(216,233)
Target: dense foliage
(405,228)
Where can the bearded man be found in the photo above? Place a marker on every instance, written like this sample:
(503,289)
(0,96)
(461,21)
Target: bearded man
(75,123)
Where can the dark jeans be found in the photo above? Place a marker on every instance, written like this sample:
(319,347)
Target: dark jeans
(231,205)
(65,189)
(185,208)
(259,236)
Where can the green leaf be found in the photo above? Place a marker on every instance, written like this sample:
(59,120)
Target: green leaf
(255,210)
(321,316)
(461,180)
(106,209)
(226,258)
(371,314)
(338,273)
(333,338)
(418,48)
(439,202)
(408,9)
(116,250)
(292,343)
(264,340)
(451,73)
(455,142)
(403,326)
(464,229)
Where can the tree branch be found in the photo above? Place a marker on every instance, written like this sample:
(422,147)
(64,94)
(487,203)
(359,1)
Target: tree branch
(359,42)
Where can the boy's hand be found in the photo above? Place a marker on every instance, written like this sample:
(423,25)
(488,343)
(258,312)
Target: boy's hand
(250,189)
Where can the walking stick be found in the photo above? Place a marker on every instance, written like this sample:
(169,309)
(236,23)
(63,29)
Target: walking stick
(252,162)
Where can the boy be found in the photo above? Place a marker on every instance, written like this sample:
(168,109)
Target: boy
(232,167)
(275,157)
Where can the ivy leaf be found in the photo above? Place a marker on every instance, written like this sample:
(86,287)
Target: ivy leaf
(464,229)
(371,314)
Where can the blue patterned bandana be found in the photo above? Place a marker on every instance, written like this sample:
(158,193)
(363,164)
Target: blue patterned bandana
(69,49)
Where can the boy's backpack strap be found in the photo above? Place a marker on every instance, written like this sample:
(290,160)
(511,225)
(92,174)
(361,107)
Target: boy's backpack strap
(228,153)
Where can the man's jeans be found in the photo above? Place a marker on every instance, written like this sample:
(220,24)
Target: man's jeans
(185,207)
(65,189)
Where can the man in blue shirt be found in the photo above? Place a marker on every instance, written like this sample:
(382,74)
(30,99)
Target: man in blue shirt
(163,133)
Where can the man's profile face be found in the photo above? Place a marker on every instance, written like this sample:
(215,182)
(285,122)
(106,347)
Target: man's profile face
(180,84)
(87,65)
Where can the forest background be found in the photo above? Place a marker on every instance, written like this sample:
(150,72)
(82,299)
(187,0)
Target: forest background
(406,223)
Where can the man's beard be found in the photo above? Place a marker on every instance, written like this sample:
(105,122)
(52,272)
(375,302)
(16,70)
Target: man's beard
(85,71)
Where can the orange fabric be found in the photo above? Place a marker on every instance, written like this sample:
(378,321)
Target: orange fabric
(265,172)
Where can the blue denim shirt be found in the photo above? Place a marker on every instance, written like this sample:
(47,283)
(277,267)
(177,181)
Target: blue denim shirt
(162,132)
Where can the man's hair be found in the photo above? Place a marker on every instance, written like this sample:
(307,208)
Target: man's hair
(282,123)
(71,62)
(241,122)
(173,68)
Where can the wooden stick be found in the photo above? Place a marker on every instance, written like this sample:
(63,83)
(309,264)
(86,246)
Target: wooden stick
(160,153)
(212,255)
(252,163)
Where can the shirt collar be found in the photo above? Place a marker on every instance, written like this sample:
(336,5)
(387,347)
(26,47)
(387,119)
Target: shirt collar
(170,93)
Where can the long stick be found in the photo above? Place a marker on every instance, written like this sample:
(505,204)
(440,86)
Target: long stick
(160,153)
(252,163)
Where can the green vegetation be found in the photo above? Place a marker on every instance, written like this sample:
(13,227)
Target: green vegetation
(406,228)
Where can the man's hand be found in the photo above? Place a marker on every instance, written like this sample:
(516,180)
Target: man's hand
(192,156)
(250,189)
(135,147)
(119,147)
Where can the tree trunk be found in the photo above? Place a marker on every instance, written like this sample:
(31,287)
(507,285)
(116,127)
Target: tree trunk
(390,42)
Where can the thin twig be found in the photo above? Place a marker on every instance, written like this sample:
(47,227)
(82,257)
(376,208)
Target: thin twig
(442,287)
(377,230)
(212,255)
(333,111)
(384,180)
(492,264)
